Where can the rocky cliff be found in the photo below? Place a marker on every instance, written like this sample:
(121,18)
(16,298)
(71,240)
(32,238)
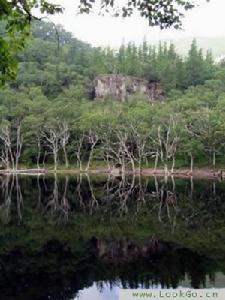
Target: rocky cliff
(120,87)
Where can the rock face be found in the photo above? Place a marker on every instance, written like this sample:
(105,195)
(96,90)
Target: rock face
(125,250)
(120,87)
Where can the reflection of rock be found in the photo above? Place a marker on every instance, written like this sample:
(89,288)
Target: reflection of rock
(121,87)
(121,251)
(46,268)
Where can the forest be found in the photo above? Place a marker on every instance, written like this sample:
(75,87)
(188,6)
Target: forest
(49,119)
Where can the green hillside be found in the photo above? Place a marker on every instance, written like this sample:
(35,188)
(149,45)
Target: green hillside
(49,115)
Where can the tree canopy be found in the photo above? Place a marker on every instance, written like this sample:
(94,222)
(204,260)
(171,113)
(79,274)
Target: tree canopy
(164,14)
(16,17)
(49,116)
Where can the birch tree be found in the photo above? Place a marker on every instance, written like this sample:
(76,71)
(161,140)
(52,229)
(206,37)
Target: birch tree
(168,142)
(12,142)
(52,138)
(92,140)
(64,139)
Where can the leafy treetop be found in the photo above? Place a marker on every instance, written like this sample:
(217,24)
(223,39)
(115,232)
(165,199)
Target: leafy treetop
(17,16)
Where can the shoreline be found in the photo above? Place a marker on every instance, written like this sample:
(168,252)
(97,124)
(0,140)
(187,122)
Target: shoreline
(182,172)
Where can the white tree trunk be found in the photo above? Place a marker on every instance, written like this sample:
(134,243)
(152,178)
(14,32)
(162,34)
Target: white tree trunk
(192,162)
(156,161)
(173,164)
(214,158)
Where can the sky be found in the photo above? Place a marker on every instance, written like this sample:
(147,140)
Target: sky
(206,20)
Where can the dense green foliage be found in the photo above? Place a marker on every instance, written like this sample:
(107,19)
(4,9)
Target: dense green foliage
(17,17)
(47,114)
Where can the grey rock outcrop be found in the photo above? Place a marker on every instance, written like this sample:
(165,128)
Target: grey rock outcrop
(120,87)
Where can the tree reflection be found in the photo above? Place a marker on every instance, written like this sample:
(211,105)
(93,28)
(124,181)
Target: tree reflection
(57,203)
(10,189)
(167,201)
(133,231)
(60,198)
(5,206)
(156,263)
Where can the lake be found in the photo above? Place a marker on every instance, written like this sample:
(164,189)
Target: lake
(81,237)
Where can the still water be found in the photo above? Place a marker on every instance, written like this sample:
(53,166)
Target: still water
(81,237)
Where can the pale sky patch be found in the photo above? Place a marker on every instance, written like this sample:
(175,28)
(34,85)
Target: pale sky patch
(206,20)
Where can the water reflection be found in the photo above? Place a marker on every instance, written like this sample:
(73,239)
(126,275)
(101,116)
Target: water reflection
(62,197)
(10,189)
(64,236)
(102,293)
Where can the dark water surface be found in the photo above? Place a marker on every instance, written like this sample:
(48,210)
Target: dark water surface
(67,237)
